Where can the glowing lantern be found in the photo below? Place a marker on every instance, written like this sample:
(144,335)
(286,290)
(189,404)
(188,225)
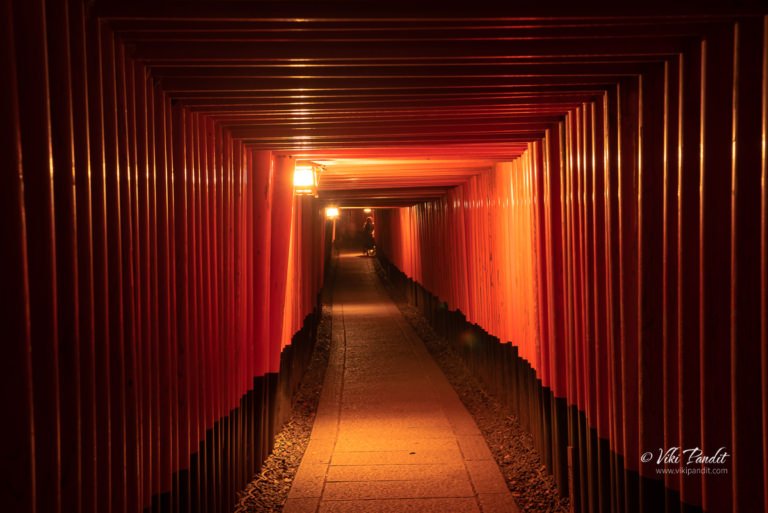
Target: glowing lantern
(305,180)
(332,213)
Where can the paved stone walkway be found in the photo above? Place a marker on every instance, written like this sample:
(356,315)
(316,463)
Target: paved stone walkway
(391,435)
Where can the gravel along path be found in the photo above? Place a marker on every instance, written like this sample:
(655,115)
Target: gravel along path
(269,489)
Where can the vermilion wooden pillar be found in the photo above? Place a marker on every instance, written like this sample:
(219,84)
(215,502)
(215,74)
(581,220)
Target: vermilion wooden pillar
(670,271)
(30,42)
(764,260)
(262,177)
(115,172)
(81,94)
(715,277)
(653,92)
(749,98)
(687,261)
(282,214)
(18,471)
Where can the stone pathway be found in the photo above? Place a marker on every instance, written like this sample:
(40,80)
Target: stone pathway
(390,435)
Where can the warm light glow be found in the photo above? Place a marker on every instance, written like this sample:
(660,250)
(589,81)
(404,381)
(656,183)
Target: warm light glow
(304,180)
(367,210)
(332,212)
(303,176)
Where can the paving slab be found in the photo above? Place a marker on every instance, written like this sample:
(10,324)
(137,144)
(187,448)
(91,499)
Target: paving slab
(453,505)
(357,444)
(406,489)
(390,435)
(301,505)
(412,472)
(405,457)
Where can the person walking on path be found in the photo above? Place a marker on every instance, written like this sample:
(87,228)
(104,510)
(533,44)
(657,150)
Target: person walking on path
(368,240)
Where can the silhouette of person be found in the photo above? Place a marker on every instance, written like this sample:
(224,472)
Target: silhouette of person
(368,241)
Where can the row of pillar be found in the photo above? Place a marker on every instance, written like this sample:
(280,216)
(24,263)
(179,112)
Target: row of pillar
(155,270)
(624,254)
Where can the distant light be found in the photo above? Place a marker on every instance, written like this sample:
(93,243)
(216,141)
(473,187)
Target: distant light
(367,210)
(331,212)
(305,180)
